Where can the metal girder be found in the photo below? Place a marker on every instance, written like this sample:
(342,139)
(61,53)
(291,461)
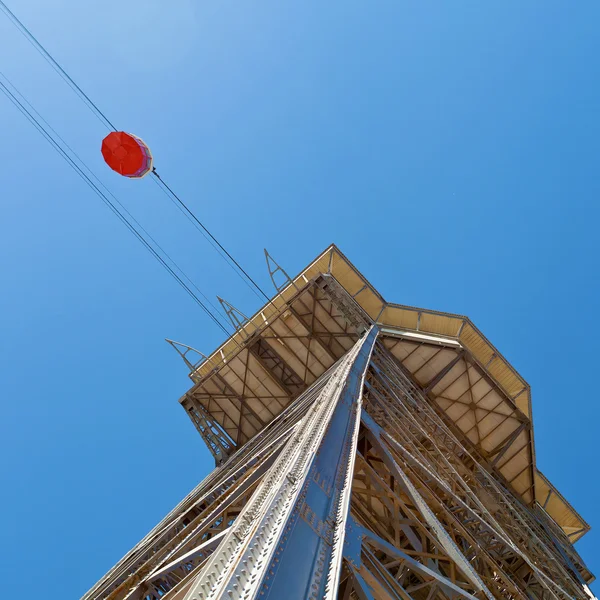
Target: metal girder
(288,540)
(195,517)
(408,420)
(276,368)
(433,522)
(357,535)
(270,370)
(441,374)
(497,453)
(215,438)
(203,548)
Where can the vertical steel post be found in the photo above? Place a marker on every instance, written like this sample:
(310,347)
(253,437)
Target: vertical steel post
(288,541)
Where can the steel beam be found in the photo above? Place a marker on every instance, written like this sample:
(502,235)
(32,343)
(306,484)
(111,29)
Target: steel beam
(288,540)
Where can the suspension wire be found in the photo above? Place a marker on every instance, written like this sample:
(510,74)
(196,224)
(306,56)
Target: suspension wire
(116,200)
(104,119)
(55,65)
(208,235)
(158,181)
(52,141)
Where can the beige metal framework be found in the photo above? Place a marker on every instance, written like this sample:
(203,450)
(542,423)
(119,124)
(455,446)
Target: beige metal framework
(392,444)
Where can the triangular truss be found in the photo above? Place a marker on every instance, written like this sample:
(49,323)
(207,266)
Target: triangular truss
(274,270)
(236,317)
(216,439)
(184,350)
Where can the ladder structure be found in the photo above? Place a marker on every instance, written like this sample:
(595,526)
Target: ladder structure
(364,450)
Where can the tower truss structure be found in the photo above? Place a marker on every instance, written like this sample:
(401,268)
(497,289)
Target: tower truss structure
(363,450)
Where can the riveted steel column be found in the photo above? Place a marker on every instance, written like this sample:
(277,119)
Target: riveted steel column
(288,541)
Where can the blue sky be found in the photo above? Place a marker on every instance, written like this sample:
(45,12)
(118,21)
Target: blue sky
(449,148)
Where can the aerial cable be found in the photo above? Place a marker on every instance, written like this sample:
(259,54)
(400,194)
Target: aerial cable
(109,192)
(199,223)
(97,190)
(55,65)
(104,119)
(192,219)
(48,136)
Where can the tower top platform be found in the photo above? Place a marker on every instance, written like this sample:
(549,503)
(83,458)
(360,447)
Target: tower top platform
(315,318)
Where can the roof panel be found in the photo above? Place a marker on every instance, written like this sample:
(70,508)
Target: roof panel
(440,324)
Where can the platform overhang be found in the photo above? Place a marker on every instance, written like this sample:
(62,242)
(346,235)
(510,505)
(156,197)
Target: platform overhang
(313,321)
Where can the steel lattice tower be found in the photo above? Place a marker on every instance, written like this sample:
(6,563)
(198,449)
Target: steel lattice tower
(364,450)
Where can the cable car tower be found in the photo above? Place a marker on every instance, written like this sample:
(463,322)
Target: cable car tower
(364,450)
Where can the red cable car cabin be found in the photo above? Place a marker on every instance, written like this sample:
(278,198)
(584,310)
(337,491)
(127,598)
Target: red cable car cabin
(127,154)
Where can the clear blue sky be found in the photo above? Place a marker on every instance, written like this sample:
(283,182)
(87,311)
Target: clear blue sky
(449,148)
